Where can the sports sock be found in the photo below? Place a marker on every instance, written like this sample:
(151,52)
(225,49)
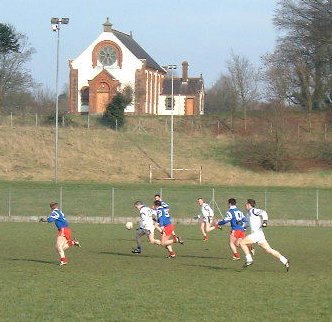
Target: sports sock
(283,259)
(249,258)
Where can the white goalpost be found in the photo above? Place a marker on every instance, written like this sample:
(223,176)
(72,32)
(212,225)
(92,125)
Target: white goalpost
(179,174)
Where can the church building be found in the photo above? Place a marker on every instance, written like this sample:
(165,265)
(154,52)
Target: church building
(115,60)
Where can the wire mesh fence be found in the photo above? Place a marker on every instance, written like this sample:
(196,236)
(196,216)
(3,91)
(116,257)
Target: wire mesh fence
(288,203)
(212,124)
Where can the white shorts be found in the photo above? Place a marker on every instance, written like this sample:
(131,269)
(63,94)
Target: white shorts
(257,237)
(145,231)
(206,219)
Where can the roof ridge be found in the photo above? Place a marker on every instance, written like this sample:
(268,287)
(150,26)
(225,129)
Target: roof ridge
(121,32)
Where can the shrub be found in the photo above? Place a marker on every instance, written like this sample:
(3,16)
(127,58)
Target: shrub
(269,154)
(114,114)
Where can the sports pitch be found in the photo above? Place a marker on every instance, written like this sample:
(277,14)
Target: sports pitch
(104,281)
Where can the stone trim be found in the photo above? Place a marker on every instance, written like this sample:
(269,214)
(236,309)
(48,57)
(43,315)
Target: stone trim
(73,90)
(103,43)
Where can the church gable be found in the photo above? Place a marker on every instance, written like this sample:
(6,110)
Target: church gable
(115,60)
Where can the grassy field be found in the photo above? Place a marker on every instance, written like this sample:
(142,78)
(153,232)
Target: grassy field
(105,282)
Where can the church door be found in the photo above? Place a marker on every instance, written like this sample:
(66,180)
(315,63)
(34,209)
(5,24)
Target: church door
(189,109)
(102,97)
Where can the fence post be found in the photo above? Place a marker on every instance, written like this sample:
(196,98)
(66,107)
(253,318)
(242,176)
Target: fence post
(60,197)
(36,120)
(9,202)
(11,120)
(265,200)
(317,205)
(150,173)
(112,205)
(213,199)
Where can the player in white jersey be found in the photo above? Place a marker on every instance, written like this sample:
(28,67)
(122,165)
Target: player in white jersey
(205,218)
(146,226)
(257,220)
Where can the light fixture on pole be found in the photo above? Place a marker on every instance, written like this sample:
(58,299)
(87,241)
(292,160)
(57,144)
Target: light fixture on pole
(172,68)
(56,22)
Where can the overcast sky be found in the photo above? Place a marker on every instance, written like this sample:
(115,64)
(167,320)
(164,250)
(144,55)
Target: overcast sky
(201,32)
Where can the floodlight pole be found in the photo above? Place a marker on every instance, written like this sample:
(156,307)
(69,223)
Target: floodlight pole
(171,68)
(56,22)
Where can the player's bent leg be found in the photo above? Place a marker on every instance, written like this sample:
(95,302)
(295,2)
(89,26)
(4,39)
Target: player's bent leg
(270,250)
(209,228)
(171,253)
(152,240)
(60,243)
(232,245)
(139,234)
(275,253)
(244,243)
(202,227)
(165,240)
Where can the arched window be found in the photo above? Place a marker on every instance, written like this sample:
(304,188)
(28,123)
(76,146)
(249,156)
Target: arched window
(85,96)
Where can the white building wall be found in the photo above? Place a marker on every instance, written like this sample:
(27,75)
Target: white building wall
(125,75)
(179,105)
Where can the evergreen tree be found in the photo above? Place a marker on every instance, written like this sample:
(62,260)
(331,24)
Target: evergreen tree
(114,114)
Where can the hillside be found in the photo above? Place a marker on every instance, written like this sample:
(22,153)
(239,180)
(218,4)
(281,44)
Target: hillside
(102,155)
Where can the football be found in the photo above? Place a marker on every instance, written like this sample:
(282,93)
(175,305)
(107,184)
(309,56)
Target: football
(129,225)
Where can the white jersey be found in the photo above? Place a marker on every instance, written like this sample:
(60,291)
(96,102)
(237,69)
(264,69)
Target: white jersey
(255,218)
(207,212)
(146,215)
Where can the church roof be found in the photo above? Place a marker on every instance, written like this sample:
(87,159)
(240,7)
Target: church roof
(191,87)
(137,50)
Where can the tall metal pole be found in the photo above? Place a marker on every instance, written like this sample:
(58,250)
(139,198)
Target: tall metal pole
(172,67)
(56,22)
(172,125)
(57,107)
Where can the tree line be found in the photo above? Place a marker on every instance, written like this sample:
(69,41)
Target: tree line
(297,74)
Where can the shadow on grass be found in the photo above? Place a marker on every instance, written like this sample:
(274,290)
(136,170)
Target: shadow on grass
(124,239)
(203,257)
(34,260)
(210,267)
(126,254)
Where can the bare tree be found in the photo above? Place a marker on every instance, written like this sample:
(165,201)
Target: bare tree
(44,100)
(243,79)
(220,96)
(304,52)
(14,77)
